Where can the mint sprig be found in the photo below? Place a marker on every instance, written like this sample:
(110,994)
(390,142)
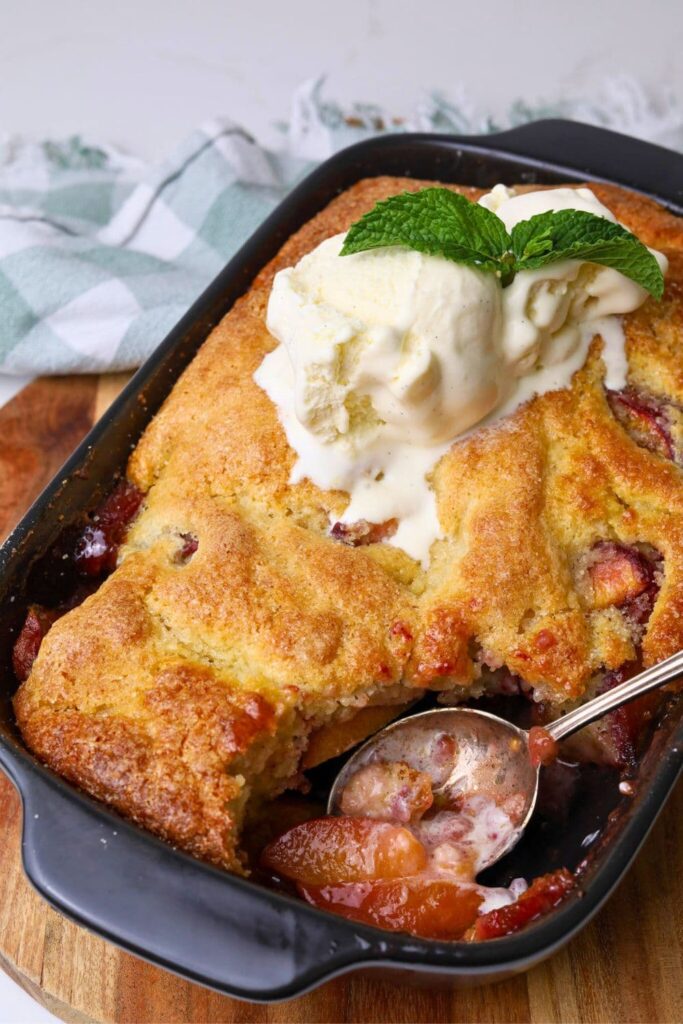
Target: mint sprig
(578,235)
(439,222)
(435,221)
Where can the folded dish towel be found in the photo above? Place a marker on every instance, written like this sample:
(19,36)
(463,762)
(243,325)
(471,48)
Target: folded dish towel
(100,255)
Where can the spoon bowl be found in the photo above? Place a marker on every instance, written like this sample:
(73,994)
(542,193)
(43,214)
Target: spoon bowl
(467,753)
(473,755)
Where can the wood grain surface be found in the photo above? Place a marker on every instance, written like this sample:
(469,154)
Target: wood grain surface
(626,966)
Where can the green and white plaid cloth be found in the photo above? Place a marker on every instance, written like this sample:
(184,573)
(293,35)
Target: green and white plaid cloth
(100,256)
(99,259)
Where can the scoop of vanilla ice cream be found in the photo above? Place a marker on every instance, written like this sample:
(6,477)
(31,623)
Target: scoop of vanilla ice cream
(387,356)
(388,339)
(544,310)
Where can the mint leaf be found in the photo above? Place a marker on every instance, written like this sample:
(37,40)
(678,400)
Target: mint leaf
(435,221)
(439,222)
(577,235)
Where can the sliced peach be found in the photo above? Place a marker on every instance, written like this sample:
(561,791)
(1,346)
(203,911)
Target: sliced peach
(389,791)
(617,738)
(544,894)
(622,731)
(361,533)
(645,418)
(330,850)
(98,545)
(430,908)
(617,574)
(542,747)
(25,651)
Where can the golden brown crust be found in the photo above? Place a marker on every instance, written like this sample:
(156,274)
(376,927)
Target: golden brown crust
(173,680)
(176,681)
(521,505)
(522,502)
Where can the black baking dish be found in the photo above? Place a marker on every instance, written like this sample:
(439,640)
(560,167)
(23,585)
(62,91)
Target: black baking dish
(160,904)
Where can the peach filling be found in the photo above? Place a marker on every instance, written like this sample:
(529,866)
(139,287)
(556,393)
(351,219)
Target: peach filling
(330,850)
(405,858)
(646,418)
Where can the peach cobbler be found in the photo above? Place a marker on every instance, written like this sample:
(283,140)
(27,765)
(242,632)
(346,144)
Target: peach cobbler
(386,475)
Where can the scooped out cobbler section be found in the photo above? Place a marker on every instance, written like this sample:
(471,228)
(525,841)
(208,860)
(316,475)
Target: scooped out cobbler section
(232,614)
(415,819)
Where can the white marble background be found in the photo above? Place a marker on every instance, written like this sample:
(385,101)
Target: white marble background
(142,73)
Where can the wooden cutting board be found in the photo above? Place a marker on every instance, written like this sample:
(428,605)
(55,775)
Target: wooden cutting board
(627,966)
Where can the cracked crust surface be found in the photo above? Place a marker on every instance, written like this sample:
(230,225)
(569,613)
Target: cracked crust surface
(181,690)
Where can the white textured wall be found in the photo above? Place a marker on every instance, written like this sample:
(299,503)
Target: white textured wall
(143,72)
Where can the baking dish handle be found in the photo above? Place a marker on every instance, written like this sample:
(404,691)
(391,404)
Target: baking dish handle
(214,928)
(592,151)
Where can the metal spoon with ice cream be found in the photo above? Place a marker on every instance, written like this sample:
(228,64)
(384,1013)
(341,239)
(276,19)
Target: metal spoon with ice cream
(479,763)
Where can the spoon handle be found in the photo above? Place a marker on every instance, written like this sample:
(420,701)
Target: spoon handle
(648,680)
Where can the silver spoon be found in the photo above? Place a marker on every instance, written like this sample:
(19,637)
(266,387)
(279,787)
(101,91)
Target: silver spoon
(484,753)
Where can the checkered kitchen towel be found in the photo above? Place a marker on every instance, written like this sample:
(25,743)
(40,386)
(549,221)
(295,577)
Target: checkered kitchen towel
(100,256)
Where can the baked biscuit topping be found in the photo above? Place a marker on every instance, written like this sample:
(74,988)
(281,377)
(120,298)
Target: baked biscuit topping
(185,690)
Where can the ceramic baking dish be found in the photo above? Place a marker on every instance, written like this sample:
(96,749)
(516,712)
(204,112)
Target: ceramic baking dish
(204,924)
